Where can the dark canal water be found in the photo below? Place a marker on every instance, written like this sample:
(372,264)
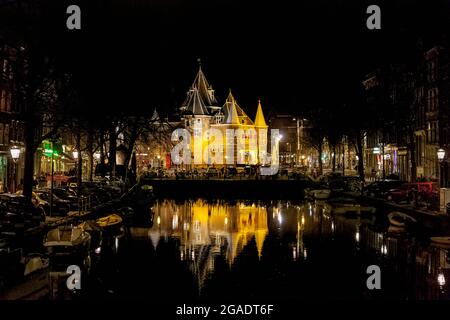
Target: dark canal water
(276,249)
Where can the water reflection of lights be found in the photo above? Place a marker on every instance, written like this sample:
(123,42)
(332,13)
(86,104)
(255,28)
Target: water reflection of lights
(274,212)
(357,233)
(332,226)
(175,221)
(116,243)
(384,249)
(441,279)
(158,220)
(303,220)
(226,220)
(304,253)
(280,218)
(294,253)
(182,255)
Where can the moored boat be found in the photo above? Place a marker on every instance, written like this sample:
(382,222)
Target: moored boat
(348,206)
(441,240)
(395,229)
(321,194)
(34,263)
(400,219)
(68,245)
(111,223)
(317,194)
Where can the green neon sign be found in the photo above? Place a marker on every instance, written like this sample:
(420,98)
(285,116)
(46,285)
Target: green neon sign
(48,150)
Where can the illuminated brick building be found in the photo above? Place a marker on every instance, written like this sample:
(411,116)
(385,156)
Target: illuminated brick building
(201,115)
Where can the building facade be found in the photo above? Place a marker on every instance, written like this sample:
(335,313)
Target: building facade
(11,123)
(410,106)
(202,116)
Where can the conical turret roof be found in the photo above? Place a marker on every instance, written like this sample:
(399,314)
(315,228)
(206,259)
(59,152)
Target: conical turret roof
(259,119)
(194,104)
(227,109)
(205,94)
(233,117)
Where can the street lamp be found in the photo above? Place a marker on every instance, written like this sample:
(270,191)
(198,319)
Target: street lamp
(441,154)
(75,154)
(15,154)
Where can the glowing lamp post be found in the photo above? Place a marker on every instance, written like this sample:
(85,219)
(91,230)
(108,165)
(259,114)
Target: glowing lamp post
(75,155)
(441,154)
(15,155)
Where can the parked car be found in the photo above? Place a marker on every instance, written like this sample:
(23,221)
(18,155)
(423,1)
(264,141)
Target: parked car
(66,194)
(333,181)
(212,172)
(59,206)
(352,183)
(298,173)
(231,171)
(379,189)
(419,191)
(240,170)
(17,212)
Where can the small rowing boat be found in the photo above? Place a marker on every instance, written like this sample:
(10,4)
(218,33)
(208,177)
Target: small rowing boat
(441,240)
(400,219)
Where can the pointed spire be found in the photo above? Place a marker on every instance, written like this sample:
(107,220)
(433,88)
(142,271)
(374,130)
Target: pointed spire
(203,89)
(155,116)
(259,119)
(233,117)
(197,106)
(226,109)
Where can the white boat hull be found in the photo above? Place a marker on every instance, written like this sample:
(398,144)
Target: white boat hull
(400,219)
(321,194)
(441,240)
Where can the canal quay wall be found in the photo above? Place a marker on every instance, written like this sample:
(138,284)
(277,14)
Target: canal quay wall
(230,189)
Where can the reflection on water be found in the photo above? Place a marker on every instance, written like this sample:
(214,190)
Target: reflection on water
(207,230)
(282,249)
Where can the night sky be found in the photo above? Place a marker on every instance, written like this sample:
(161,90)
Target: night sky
(138,55)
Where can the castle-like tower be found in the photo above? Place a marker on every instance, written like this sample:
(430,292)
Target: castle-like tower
(200,112)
